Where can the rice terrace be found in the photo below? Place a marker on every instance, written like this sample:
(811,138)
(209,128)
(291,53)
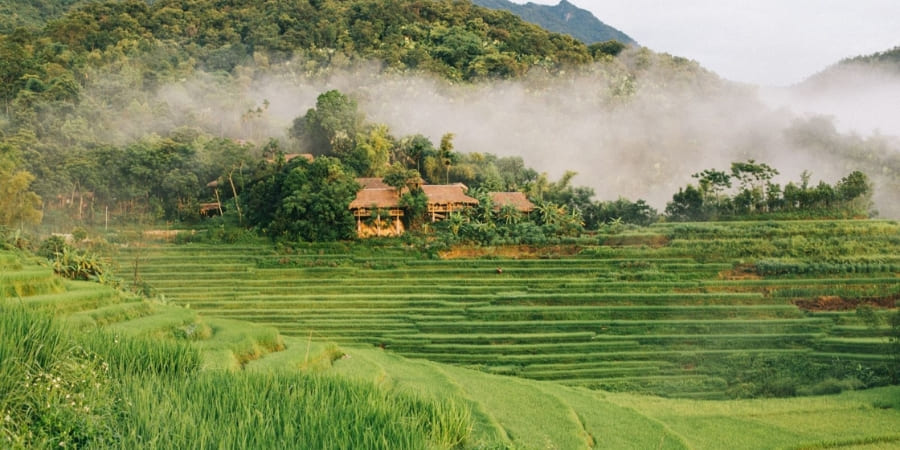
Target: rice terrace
(603,341)
(424,224)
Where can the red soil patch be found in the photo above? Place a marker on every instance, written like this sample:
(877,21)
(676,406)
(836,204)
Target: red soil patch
(833,303)
(625,240)
(741,272)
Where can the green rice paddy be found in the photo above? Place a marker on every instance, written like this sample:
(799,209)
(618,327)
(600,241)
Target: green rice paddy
(371,346)
(672,304)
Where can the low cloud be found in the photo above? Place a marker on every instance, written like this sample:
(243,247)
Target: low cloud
(636,127)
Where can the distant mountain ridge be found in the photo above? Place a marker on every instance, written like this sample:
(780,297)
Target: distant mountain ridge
(563,18)
(888,58)
(863,67)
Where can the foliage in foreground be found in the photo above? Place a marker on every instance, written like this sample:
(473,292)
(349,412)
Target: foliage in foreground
(103,390)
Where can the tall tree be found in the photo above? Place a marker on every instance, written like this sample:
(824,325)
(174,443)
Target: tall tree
(331,127)
(18,204)
(306,201)
(447,155)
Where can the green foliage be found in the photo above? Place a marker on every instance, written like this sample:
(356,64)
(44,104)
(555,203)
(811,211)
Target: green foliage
(81,265)
(331,127)
(102,62)
(19,204)
(872,155)
(607,48)
(415,204)
(399,177)
(757,196)
(686,205)
(32,13)
(304,201)
(621,211)
(891,56)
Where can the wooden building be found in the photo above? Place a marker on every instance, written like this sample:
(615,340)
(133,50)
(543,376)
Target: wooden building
(517,200)
(377,209)
(378,212)
(444,199)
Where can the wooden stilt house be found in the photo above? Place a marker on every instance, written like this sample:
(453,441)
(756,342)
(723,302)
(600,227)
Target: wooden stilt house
(444,199)
(377,209)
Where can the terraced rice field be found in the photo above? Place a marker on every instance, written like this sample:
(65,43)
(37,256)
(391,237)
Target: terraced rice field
(659,319)
(505,412)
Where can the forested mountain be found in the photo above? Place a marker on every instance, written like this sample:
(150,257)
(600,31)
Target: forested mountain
(32,13)
(137,106)
(90,106)
(563,18)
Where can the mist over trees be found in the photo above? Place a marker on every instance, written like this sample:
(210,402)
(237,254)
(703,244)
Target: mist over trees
(148,110)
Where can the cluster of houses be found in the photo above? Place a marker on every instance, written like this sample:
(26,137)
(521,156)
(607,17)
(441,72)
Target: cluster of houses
(378,212)
(377,205)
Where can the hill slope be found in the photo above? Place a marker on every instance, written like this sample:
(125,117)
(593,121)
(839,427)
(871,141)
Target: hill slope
(563,18)
(861,93)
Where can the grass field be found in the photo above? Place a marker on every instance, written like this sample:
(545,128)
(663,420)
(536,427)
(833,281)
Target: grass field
(243,345)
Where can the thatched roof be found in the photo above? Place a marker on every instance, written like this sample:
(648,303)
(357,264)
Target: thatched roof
(447,193)
(372,183)
(377,197)
(514,199)
(289,156)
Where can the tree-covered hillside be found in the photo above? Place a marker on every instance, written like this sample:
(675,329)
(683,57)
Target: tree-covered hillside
(32,13)
(137,107)
(887,57)
(563,18)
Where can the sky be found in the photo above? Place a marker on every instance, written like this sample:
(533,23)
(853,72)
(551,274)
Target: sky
(762,42)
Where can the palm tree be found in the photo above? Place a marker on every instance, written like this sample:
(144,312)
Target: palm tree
(446,154)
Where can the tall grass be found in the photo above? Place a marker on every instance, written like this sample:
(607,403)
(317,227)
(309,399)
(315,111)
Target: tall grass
(106,390)
(131,355)
(51,394)
(284,410)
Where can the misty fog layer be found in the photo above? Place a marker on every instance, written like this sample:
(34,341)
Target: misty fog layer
(862,98)
(636,127)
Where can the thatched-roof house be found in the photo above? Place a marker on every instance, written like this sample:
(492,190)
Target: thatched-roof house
(210,209)
(378,212)
(377,209)
(517,200)
(443,199)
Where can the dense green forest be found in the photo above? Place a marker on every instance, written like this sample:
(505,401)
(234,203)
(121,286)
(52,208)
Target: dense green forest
(96,120)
